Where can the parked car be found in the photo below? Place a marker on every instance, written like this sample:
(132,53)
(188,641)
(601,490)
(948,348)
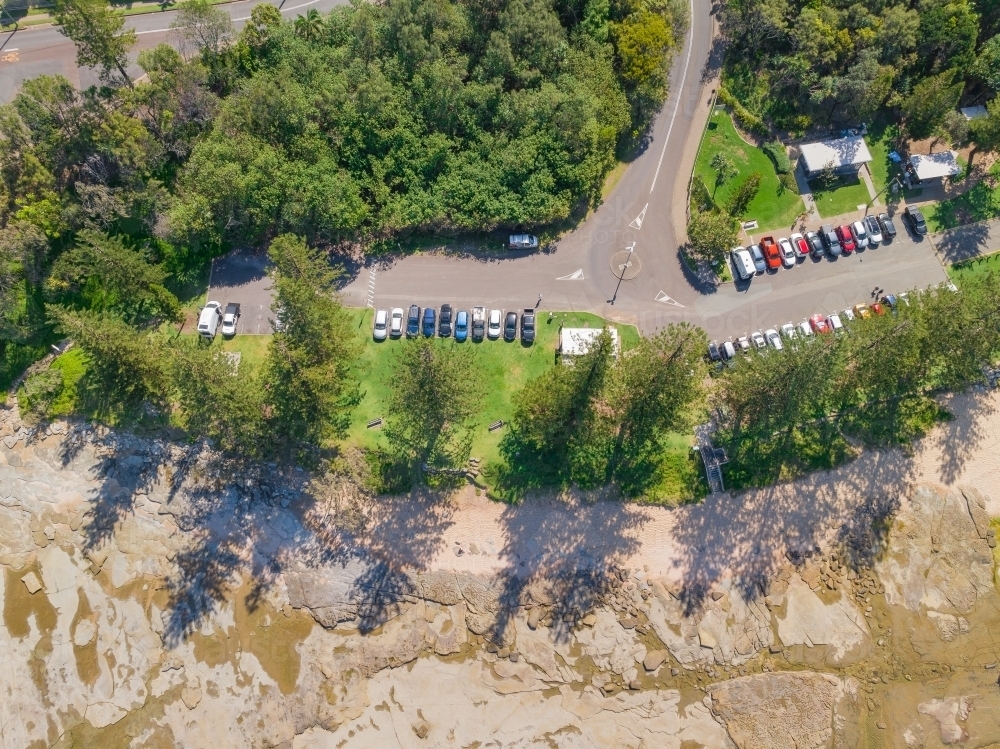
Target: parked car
(773,339)
(848,314)
(804,330)
(862,311)
(528,326)
(818,324)
(493,327)
(758,258)
(772,256)
(461,325)
(916,219)
(278,323)
(888,228)
(208,320)
(890,301)
(478,323)
(860,234)
(904,298)
(743,264)
(444,321)
(815,244)
(874,230)
(381,325)
(510,327)
(396,322)
(743,343)
(413,321)
(878,309)
(522,242)
(788,330)
(429,321)
(787,253)
(230,319)
(800,245)
(728,350)
(758,340)
(835,323)
(846,239)
(713,351)
(831,241)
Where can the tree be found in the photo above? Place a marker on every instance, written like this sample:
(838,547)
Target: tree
(310,26)
(740,200)
(724,168)
(642,41)
(987,65)
(925,109)
(203,27)
(984,133)
(711,235)
(99,35)
(264,19)
(310,381)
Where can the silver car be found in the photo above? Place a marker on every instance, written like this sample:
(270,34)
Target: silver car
(381,326)
(773,339)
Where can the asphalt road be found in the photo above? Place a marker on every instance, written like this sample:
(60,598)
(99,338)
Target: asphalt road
(42,50)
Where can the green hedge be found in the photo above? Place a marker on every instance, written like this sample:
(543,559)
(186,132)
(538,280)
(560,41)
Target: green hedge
(748,119)
(788,182)
(776,151)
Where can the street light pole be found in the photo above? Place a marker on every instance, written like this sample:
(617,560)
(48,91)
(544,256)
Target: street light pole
(894,180)
(626,264)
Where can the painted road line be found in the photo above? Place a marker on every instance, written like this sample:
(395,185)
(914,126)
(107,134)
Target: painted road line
(574,276)
(661,297)
(680,94)
(241,18)
(637,221)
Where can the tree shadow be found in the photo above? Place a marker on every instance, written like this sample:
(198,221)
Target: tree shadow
(963,242)
(957,438)
(702,278)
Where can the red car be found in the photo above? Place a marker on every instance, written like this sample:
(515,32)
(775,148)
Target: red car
(846,238)
(819,324)
(878,309)
(772,256)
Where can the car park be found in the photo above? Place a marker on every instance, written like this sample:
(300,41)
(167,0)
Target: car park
(848,314)
(758,258)
(522,242)
(819,324)
(772,256)
(846,238)
(510,327)
(916,220)
(461,325)
(444,321)
(429,321)
(743,343)
(230,319)
(860,234)
(493,327)
(800,245)
(773,339)
(804,330)
(831,241)
(381,325)
(815,244)
(743,264)
(835,323)
(888,227)
(528,326)
(413,321)
(728,350)
(396,322)
(758,340)
(208,320)
(788,330)
(874,230)
(787,253)
(713,351)
(478,323)
(862,311)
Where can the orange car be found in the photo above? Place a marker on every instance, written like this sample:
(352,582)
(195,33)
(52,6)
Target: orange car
(772,256)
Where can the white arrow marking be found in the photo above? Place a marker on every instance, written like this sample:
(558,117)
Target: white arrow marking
(574,276)
(637,223)
(661,297)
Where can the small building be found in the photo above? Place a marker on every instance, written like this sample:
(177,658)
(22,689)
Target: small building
(577,341)
(933,166)
(973,113)
(843,155)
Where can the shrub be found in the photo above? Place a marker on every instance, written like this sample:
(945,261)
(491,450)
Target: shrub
(701,196)
(779,157)
(788,182)
(748,119)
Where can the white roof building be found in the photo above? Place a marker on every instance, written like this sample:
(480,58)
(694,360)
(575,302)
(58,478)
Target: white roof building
(842,154)
(577,341)
(934,165)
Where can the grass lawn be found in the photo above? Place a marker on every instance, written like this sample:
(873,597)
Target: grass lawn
(774,206)
(978,266)
(845,196)
(980,203)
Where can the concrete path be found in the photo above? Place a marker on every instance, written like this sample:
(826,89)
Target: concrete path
(865,176)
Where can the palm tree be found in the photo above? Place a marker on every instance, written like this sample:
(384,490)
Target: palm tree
(310,26)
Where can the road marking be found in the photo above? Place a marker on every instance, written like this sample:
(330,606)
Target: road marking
(574,276)
(11,56)
(637,222)
(661,297)
(371,288)
(241,18)
(680,93)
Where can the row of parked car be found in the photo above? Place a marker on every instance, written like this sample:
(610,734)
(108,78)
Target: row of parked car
(450,322)
(871,231)
(805,330)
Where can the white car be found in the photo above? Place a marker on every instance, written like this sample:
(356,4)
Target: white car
(758,340)
(860,235)
(834,322)
(787,253)
(230,319)
(743,263)
(848,314)
(396,322)
(773,339)
(743,343)
(788,330)
(805,330)
(493,326)
(381,325)
(522,242)
(208,320)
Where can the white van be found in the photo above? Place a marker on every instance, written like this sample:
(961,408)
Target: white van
(743,263)
(209,319)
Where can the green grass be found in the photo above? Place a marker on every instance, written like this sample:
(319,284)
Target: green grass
(845,196)
(774,206)
(980,203)
(73,365)
(978,266)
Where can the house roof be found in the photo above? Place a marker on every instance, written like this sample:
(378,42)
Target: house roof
(577,341)
(835,153)
(933,165)
(974,113)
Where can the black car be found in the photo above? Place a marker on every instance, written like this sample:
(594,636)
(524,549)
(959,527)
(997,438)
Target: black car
(510,327)
(478,324)
(830,241)
(413,322)
(444,322)
(888,228)
(916,219)
(713,351)
(528,326)
(429,317)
